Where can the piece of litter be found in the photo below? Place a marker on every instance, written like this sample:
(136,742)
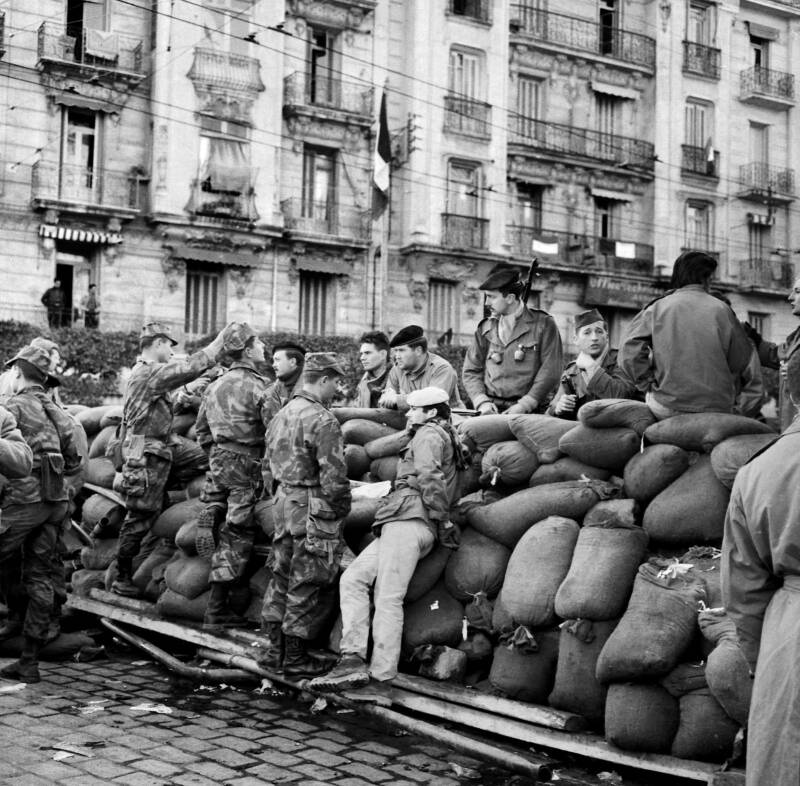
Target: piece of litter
(318,706)
(61,755)
(78,750)
(266,685)
(140,663)
(435,605)
(17,686)
(344,712)
(609,777)
(160,709)
(464,772)
(555,776)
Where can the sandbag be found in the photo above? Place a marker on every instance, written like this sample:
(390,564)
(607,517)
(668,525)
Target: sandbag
(74,409)
(508,464)
(263,517)
(100,441)
(74,482)
(390,445)
(384,468)
(657,626)
(705,732)
(91,418)
(112,417)
(576,688)
(702,431)
(601,575)
(641,717)
(685,678)
(537,567)
(691,509)
(478,565)
(99,510)
(428,572)
(540,434)
(172,604)
(63,648)
(195,486)
(159,556)
(508,519)
(458,512)
(357,461)
(100,554)
(733,453)
(175,516)
(526,673)
(185,538)
(471,476)
(706,562)
(567,468)
(648,473)
(609,448)
(361,516)
(359,431)
(84,581)
(481,432)
(617,413)
(188,576)
(388,417)
(100,472)
(433,619)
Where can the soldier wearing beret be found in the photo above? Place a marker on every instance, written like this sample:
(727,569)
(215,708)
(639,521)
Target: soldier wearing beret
(148,443)
(304,469)
(594,373)
(415,368)
(515,358)
(409,522)
(230,428)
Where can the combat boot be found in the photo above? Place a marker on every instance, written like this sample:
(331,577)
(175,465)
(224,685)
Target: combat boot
(272,647)
(26,669)
(350,672)
(218,617)
(298,661)
(208,521)
(123,585)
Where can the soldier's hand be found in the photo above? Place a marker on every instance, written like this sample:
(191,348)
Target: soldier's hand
(449,534)
(516,409)
(388,399)
(487,408)
(566,403)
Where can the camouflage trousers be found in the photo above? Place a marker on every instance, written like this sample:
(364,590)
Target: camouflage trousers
(236,477)
(32,530)
(298,589)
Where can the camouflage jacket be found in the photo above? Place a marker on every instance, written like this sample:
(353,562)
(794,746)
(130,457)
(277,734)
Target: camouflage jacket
(190,396)
(305,448)
(147,405)
(231,408)
(278,395)
(16,457)
(47,429)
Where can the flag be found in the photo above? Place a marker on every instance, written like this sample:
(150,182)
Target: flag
(624,250)
(380,164)
(544,246)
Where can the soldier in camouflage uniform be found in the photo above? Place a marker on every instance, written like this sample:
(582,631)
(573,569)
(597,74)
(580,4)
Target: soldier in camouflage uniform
(147,442)
(229,426)
(304,468)
(287,362)
(34,507)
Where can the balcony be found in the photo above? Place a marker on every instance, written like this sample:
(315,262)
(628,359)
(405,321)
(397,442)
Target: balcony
(478,10)
(234,203)
(765,87)
(326,221)
(766,275)
(701,60)
(766,184)
(584,143)
(700,161)
(304,91)
(467,117)
(465,231)
(225,70)
(83,190)
(583,35)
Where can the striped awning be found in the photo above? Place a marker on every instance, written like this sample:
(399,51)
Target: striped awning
(74,235)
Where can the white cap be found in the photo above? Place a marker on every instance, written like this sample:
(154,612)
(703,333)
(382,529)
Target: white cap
(427,397)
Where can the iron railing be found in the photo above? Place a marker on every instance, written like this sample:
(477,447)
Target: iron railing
(226,70)
(761,273)
(236,205)
(584,35)
(701,60)
(700,161)
(766,82)
(325,218)
(464,231)
(474,9)
(584,142)
(301,89)
(78,185)
(97,48)
(466,116)
(763,176)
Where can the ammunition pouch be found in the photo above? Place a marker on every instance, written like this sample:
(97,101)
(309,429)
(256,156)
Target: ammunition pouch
(52,477)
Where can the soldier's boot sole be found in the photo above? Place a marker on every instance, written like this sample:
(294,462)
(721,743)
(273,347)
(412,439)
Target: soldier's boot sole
(204,541)
(24,672)
(337,682)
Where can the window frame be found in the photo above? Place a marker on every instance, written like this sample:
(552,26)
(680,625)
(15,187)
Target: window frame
(449,290)
(476,184)
(323,321)
(708,209)
(456,84)
(192,316)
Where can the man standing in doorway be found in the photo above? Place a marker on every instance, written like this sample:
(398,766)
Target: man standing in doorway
(53,301)
(91,308)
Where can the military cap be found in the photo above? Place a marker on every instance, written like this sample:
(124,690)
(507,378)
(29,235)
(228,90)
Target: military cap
(157,330)
(409,336)
(501,277)
(35,364)
(40,342)
(427,397)
(236,335)
(324,361)
(588,318)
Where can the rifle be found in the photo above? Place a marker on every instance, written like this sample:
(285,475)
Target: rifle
(529,282)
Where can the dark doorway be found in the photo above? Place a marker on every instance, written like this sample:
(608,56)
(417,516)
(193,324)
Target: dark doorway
(64,273)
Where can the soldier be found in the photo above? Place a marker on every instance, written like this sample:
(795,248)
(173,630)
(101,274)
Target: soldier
(515,359)
(415,368)
(287,362)
(304,469)
(147,438)
(408,523)
(53,300)
(374,356)
(34,508)
(229,426)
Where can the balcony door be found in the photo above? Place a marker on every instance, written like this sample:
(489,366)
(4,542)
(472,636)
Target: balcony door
(85,15)
(323,76)
(528,107)
(699,23)
(463,189)
(319,188)
(698,226)
(78,173)
(609,25)
(759,145)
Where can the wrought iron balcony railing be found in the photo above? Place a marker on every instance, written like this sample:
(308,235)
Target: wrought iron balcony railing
(763,177)
(700,161)
(96,48)
(238,205)
(82,186)
(757,81)
(767,274)
(301,89)
(226,70)
(701,60)
(325,218)
(465,116)
(474,9)
(583,142)
(584,35)
(464,231)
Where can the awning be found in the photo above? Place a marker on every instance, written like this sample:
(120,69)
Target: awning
(615,90)
(314,264)
(59,232)
(605,193)
(762,31)
(231,258)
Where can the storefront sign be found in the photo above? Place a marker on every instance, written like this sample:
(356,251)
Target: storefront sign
(619,292)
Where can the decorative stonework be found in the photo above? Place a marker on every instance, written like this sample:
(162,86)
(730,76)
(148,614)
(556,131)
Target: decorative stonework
(61,86)
(334,14)
(174,270)
(225,106)
(241,278)
(214,239)
(418,289)
(327,130)
(473,299)
(452,271)
(522,168)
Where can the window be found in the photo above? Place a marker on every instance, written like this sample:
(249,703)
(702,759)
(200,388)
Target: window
(224,175)
(608,121)
(759,241)
(608,215)
(83,15)
(475,9)
(699,28)
(529,96)
(441,307)
(229,23)
(463,189)
(759,143)
(317,314)
(760,322)
(80,154)
(698,122)
(319,187)
(204,301)
(323,81)
(529,206)
(759,47)
(464,75)
(699,229)
(609,24)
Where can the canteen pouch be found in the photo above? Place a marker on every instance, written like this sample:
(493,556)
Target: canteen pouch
(52,477)
(323,530)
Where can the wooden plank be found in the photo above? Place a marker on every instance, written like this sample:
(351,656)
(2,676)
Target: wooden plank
(530,713)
